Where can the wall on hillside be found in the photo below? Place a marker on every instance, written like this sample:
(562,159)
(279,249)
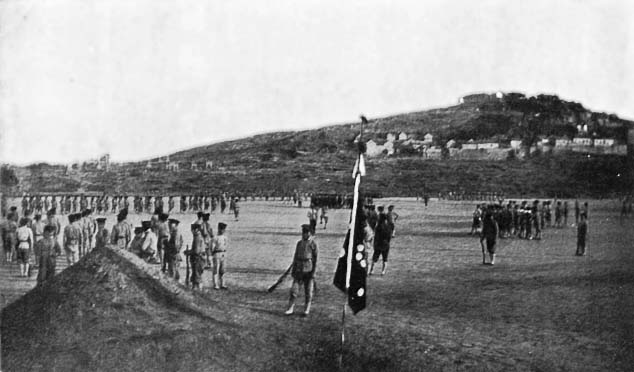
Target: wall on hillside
(482,154)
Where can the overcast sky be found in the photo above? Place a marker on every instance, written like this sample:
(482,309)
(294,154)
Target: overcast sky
(140,78)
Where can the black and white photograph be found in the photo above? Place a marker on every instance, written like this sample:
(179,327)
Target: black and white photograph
(316,185)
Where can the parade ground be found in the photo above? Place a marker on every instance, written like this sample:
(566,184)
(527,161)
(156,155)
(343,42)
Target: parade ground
(539,308)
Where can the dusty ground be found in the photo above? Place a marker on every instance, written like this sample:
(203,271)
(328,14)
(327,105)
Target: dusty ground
(539,308)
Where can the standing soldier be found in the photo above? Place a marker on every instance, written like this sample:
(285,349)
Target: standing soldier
(490,232)
(106,204)
(582,232)
(38,234)
(170,204)
(565,213)
(47,250)
(207,232)
(577,211)
(72,235)
(312,218)
(236,208)
(136,246)
(89,230)
(53,203)
(324,216)
(163,233)
(382,237)
(391,219)
(121,234)
(102,236)
(10,235)
(173,250)
(219,247)
(195,257)
(25,244)
(75,204)
(303,271)
(52,220)
(223,203)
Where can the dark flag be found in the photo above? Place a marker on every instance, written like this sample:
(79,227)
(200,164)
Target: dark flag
(350,276)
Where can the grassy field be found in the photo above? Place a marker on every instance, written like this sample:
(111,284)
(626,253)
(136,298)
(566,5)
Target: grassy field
(438,308)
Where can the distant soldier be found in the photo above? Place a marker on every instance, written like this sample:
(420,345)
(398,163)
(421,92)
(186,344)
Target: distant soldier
(577,211)
(25,246)
(585,210)
(183,204)
(324,216)
(52,220)
(75,204)
(163,233)
(195,257)
(565,213)
(102,237)
(38,234)
(312,218)
(391,219)
(558,214)
(372,217)
(490,233)
(136,246)
(173,250)
(149,248)
(236,208)
(219,245)
(207,233)
(121,234)
(582,232)
(72,236)
(303,270)
(476,220)
(47,250)
(170,204)
(382,237)
(223,203)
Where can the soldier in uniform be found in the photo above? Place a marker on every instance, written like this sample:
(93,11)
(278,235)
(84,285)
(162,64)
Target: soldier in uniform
(173,250)
(149,248)
(102,236)
(195,257)
(303,270)
(72,236)
(312,218)
(236,208)
(582,232)
(207,232)
(490,233)
(47,250)
(51,219)
(38,234)
(163,234)
(136,246)
(25,245)
(382,237)
(121,234)
(219,246)
(391,219)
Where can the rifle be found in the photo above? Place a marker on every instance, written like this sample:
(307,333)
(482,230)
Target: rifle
(280,280)
(187,253)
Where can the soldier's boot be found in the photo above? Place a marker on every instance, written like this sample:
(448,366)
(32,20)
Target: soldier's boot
(308,300)
(291,306)
(492,258)
(222,281)
(384,268)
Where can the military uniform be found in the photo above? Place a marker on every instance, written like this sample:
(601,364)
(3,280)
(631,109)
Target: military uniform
(195,256)
(47,251)
(303,270)
(72,236)
(219,247)
(173,249)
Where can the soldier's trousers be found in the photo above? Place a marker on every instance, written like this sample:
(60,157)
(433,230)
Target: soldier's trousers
(309,287)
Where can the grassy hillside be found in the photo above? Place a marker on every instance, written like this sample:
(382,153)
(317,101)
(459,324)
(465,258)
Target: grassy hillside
(320,160)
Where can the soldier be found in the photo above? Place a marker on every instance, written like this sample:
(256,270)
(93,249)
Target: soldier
(170,204)
(565,213)
(136,246)
(490,232)
(582,232)
(121,234)
(9,234)
(303,270)
(173,250)
(25,245)
(236,208)
(207,232)
(195,257)
(223,203)
(72,235)
(391,219)
(163,234)
(47,250)
(219,247)
(382,237)
(312,218)
(577,211)
(90,227)
(102,236)
(324,216)
(38,234)
(149,248)
(477,220)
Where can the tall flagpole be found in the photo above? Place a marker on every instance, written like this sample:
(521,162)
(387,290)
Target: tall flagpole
(359,168)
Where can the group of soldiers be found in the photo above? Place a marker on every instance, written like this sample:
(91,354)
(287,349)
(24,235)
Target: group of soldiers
(527,220)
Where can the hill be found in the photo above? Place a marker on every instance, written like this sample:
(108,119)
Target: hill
(320,160)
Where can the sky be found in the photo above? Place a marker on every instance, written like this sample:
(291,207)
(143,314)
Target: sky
(143,78)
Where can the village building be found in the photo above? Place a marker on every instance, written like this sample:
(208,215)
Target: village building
(604,142)
(516,144)
(582,141)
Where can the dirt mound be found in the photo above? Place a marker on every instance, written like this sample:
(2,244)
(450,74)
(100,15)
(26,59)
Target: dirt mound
(111,311)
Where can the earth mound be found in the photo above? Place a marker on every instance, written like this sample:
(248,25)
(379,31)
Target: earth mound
(112,311)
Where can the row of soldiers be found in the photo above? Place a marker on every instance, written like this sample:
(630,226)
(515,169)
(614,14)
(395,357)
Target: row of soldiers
(527,220)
